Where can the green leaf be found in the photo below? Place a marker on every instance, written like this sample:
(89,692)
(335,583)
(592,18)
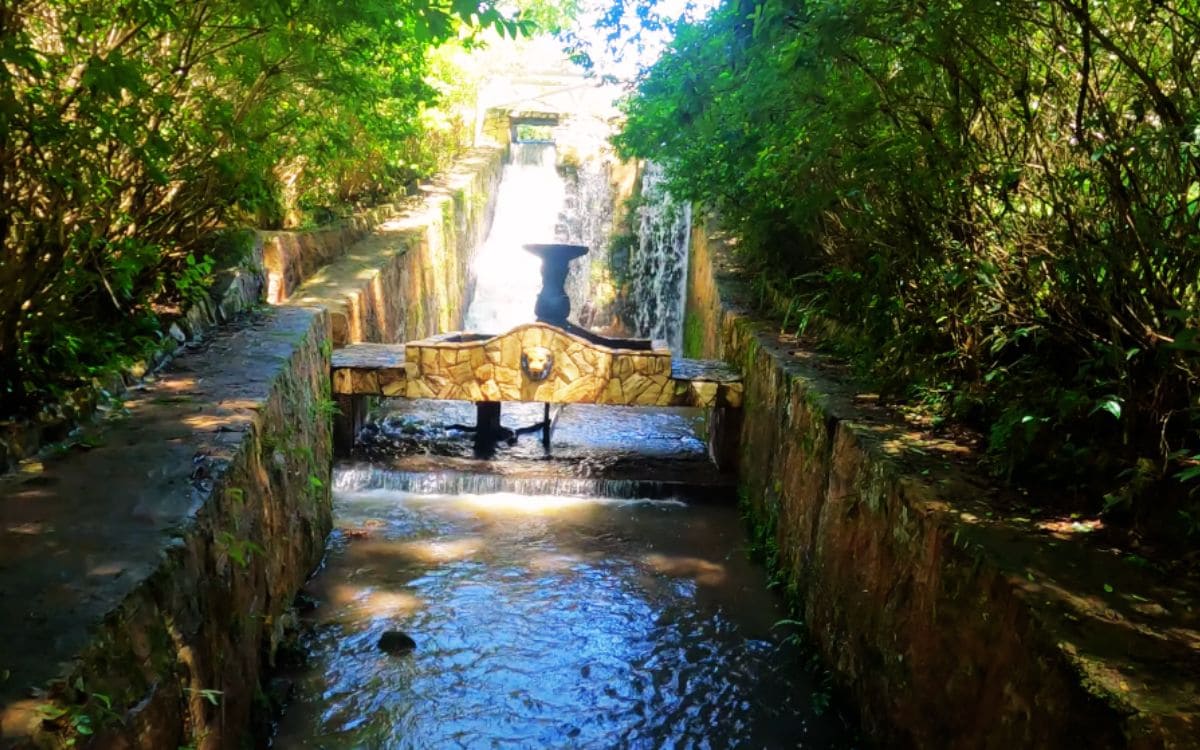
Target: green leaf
(1111,405)
(1188,474)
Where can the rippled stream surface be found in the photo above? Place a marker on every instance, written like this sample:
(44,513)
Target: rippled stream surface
(548,621)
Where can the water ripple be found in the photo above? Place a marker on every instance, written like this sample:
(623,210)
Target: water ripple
(583,624)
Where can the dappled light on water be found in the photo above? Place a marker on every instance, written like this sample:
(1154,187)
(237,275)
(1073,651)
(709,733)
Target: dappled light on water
(703,572)
(372,603)
(546,621)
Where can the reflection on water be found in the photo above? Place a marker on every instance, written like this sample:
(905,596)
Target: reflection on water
(582,432)
(546,622)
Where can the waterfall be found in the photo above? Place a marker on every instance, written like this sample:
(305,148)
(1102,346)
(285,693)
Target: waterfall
(452,482)
(658,266)
(549,193)
(507,278)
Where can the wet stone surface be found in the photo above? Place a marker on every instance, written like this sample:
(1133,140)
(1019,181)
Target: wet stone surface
(117,558)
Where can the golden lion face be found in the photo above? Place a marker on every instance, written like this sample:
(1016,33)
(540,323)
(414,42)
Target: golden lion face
(537,362)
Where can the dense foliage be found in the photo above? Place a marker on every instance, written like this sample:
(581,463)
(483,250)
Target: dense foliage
(131,129)
(1001,198)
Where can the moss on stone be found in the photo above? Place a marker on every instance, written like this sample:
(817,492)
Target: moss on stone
(948,625)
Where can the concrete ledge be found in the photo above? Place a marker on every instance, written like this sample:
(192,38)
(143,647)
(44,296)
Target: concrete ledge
(144,579)
(950,625)
(411,277)
(288,258)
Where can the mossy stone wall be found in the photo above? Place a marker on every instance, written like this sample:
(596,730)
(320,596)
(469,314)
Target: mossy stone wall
(948,625)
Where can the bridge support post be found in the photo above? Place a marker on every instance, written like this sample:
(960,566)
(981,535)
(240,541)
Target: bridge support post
(349,418)
(487,418)
(725,437)
(487,428)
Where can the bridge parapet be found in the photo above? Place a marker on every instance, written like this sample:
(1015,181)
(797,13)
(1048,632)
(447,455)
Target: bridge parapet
(533,362)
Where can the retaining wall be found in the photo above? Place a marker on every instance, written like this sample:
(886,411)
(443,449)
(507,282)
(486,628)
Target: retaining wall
(950,622)
(146,572)
(412,277)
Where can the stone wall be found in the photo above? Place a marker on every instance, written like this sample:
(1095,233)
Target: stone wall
(704,306)
(411,278)
(275,265)
(288,258)
(155,569)
(947,623)
(534,362)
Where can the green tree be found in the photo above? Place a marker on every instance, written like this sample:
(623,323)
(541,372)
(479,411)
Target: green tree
(130,130)
(1003,199)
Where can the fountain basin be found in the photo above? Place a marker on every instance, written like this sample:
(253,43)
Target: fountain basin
(533,362)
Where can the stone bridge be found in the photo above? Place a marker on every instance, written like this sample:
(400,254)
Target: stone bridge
(536,362)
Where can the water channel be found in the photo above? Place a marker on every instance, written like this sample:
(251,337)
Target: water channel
(599,595)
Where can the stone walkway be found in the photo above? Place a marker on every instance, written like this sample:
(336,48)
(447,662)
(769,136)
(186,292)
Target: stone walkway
(84,535)
(150,564)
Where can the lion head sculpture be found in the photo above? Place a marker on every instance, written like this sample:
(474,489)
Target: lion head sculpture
(537,362)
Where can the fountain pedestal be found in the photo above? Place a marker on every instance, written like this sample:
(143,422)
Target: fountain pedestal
(553,305)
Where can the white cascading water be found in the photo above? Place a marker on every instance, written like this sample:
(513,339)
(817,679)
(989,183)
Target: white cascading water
(450,482)
(658,267)
(507,278)
(536,204)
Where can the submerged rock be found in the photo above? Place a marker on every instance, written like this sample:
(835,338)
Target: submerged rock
(279,693)
(395,642)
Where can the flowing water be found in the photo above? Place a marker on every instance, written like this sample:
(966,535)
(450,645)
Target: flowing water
(658,265)
(547,621)
(507,279)
(558,598)
(552,604)
(538,202)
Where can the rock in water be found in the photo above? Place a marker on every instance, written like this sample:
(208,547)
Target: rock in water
(395,642)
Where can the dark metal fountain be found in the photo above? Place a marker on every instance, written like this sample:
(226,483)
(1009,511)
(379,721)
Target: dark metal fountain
(554,305)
